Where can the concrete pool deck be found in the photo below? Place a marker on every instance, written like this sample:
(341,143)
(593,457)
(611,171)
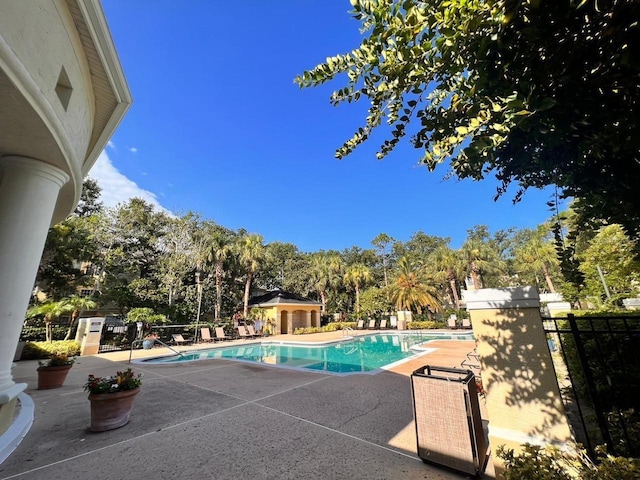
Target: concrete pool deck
(226,419)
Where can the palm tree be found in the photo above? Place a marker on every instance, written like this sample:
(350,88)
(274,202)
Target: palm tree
(448,267)
(219,251)
(251,254)
(326,273)
(480,257)
(76,304)
(409,291)
(538,255)
(357,275)
(50,311)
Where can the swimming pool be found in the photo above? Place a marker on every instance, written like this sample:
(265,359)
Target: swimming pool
(366,353)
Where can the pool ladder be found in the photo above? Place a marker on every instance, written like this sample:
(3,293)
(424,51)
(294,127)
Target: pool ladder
(349,332)
(154,341)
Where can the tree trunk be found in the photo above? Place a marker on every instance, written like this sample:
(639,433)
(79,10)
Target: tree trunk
(323,299)
(219,273)
(474,276)
(454,291)
(217,309)
(72,323)
(547,277)
(357,299)
(247,289)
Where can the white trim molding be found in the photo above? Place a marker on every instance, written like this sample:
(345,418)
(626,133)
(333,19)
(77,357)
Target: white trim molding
(501,298)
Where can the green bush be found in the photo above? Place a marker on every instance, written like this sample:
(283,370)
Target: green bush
(550,463)
(39,350)
(301,331)
(38,333)
(331,327)
(426,325)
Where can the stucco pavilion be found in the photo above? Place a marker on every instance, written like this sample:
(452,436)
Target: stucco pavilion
(287,310)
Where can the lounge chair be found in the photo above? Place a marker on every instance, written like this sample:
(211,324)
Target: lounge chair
(466,323)
(205,334)
(451,323)
(220,334)
(372,324)
(242,332)
(383,324)
(360,324)
(178,339)
(252,332)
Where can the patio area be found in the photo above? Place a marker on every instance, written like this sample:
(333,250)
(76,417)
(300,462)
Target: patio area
(226,419)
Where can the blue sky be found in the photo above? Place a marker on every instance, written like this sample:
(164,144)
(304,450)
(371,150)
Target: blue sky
(219,128)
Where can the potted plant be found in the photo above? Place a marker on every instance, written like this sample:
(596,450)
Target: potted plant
(112,399)
(53,372)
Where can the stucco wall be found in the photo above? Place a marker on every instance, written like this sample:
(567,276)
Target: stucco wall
(42,36)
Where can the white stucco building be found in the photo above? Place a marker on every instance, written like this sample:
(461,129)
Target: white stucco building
(63,93)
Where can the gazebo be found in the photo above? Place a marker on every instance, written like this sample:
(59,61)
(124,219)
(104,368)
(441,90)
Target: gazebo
(288,310)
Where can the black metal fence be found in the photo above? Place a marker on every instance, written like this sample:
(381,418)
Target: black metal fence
(600,378)
(119,336)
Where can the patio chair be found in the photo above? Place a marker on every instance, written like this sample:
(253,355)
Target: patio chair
(360,324)
(242,332)
(372,324)
(252,332)
(178,339)
(220,335)
(383,324)
(205,334)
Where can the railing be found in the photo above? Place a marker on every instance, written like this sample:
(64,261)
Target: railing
(348,332)
(599,361)
(154,342)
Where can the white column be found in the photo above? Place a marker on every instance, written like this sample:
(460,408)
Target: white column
(309,319)
(28,192)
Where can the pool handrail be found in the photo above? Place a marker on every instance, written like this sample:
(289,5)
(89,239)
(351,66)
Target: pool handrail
(154,341)
(349,332)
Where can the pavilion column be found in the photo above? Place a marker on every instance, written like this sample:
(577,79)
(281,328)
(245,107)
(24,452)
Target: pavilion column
(309,320)
(523,398)
(29,190)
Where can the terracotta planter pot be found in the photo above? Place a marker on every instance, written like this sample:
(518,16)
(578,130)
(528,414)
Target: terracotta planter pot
(52,377)
(111,410)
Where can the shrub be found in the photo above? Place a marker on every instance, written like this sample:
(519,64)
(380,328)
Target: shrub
(427,325)
(39,350)
(550,463)
(331,327)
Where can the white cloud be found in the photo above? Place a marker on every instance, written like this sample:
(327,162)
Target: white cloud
(133,150)
(116,188)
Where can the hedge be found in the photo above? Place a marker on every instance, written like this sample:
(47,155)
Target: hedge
(39,350)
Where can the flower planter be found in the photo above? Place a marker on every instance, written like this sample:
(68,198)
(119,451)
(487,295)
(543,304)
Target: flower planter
(147,344)
(111,410)
(52,377)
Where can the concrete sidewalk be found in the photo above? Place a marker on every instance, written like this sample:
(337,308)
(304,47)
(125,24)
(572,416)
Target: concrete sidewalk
(219,419)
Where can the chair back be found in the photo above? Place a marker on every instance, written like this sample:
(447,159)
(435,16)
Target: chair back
(242,331)
(205,333)
(383,323)
(360,323)
(372,323)
(220,332)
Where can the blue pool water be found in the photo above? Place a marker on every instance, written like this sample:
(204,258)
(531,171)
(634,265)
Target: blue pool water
(362,354)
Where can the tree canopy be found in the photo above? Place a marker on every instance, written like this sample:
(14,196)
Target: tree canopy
(538,92)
